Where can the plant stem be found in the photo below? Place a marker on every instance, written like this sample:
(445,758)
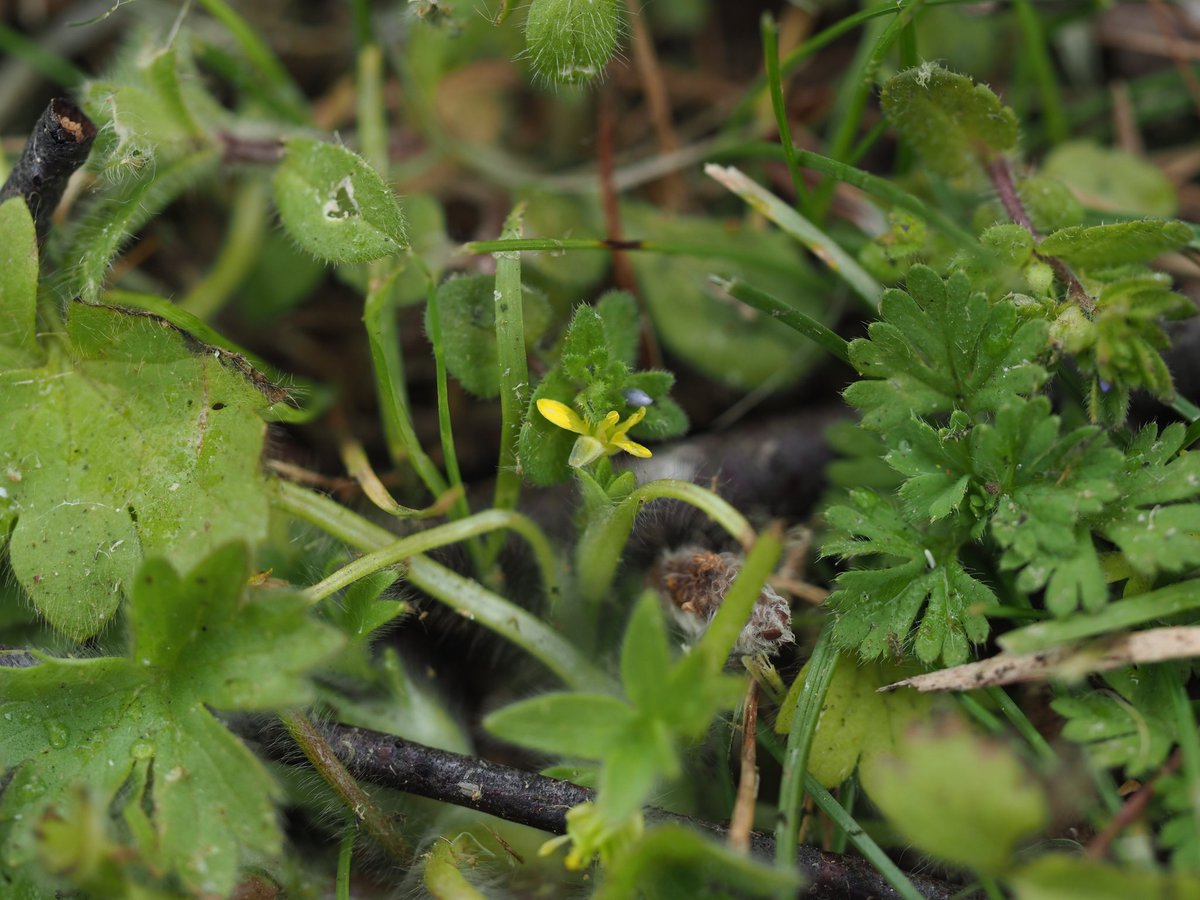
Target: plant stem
(238,255)
(401,549)
(375,822)
(345,856)
(514,372)
(1034,43)
(1021,722)
(1188,736)
(467,597)
(1002,180)
(807,712)
(815,331)
(598,552)
(769,31)
(289,98)
(819,243)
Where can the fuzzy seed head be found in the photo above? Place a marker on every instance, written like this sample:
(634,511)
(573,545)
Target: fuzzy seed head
(570,41)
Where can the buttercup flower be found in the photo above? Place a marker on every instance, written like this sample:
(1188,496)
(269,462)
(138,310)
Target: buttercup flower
(602,439)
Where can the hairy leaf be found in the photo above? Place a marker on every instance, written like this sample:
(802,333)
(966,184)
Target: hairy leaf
(335,205)
(1106,246)
(133,439)
(143,721)
(951,121)
(18,286)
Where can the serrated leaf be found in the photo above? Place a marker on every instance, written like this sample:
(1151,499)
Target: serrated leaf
(951,121)
(587,726)
(1129,725)
(198,641)
(941,347)
(335,205)
(131,440)
(467,306)
(1107,246)
(958,797)
(18,286)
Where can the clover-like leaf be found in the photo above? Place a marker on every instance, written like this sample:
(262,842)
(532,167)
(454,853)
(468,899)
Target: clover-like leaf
(951,121)
(132,439)
(335,205)
(942,347)
(138,730)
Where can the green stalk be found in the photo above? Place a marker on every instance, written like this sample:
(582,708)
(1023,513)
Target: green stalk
(871,851)
(1189,738)
(468,597)
(858,85)
(804,231)
(442,877)
(473,601)
(1118,616)
(809,700)
(341,886)
(383,336)
(1024,727)
(815,331)
(401,549)
(374,821)
(258,52)
(1034,42)
(849,793)
(770,44)
(238,255)
(598,552)
(514,371)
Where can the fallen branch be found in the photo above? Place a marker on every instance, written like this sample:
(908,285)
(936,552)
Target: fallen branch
(530,799)
(58,145)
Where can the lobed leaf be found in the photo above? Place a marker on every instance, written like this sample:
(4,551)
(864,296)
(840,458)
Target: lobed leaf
(130,440)
(144,720)
(1107,246)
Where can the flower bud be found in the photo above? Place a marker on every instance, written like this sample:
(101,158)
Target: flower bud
(570,41)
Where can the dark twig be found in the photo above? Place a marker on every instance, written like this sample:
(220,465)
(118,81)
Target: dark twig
(540,802)
(57,147)
(1134,809)
(1006,190)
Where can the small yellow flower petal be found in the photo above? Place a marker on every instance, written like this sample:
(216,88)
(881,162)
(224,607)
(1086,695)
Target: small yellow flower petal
(563,416)
(633,448)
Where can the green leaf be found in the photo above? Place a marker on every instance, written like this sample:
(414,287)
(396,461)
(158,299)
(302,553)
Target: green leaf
(941,347)
(702,325)
(133,439)
(335,205)
(856,720)
(1129,725)
(1112,180)
(632,768)
(622,325)
(198,641)
(571,724)
(18,286)
(1107,246)
(672,861)
(542,447)
(1058,876)
(571,41)
(467,306)
(646,657)
(951,121)
(876,608)
(957,797)
(1155,531)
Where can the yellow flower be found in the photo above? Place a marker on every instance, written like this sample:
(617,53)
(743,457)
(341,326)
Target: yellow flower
(594,441)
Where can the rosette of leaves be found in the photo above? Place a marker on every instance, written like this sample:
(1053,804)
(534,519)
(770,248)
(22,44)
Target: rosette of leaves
(594,375)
